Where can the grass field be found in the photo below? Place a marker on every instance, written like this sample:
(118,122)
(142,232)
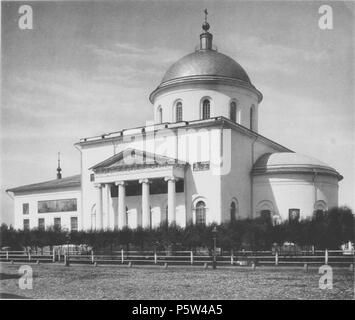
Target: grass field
(56,281)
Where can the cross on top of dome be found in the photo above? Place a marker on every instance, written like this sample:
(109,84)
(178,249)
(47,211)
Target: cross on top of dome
(206,25)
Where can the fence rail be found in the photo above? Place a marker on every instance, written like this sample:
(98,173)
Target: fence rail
(236,258)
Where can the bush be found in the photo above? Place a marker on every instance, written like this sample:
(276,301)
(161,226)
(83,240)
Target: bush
(328,230)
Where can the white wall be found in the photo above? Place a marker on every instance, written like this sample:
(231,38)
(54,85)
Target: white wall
(33,215)
(203,184)
(237,183)
(220,96)
(293,190)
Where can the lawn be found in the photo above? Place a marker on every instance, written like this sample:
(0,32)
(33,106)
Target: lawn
(55,281)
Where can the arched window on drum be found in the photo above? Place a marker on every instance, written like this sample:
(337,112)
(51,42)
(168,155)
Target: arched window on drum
(160,114)
(178,112)
(233,111)
(252,118)
(206,109)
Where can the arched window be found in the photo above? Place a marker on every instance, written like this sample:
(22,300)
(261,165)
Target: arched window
(265,214)
(178,112)
(160,115)
(266,210)
(251,117)
(206,108)
(239,115)
(233,111)
(320,207)
(233,211)
(201,213)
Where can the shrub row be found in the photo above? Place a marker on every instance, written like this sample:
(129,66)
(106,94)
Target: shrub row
(327,230)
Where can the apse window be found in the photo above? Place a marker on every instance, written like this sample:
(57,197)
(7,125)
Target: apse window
(25,208)
(294,214)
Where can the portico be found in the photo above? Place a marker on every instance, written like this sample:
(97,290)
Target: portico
(133,172)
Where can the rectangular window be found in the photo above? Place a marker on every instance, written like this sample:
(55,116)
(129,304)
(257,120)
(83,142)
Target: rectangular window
(92,177)
(25,208)
(62,205)
(57,223)
(74,223)
(26,224)
(294,214)
(201,166)
(41,225)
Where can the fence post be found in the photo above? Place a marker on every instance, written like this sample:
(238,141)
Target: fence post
(122,256)
(191,257)
(232,257)
(29,256)
(7,255)
(276,258)
(92,256)
(326,256)
(155,258)
(53,253)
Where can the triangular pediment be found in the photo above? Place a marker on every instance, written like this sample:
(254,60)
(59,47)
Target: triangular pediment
(133,158)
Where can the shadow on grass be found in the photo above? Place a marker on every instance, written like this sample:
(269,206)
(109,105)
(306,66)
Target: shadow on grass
(6,276)
(4,295)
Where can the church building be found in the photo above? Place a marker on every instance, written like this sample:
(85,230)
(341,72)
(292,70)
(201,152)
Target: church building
(202,161)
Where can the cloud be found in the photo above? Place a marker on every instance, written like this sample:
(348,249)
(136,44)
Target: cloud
(134,59)
(261,56)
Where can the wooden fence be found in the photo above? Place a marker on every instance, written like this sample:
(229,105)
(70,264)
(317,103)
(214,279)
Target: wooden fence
(236,258)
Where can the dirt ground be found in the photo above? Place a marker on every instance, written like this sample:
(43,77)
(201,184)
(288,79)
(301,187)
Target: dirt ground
(55,281)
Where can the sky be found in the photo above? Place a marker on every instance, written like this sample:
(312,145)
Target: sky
(87,68)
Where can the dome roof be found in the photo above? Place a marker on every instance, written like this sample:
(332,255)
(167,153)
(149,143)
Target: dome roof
(206,63)
(291,162)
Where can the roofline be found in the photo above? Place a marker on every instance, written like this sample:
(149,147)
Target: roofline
(32,187)
(312,169)
(221,120)
(140,152)
(210,79)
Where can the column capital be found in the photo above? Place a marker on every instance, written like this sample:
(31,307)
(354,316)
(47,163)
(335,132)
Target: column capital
(98,185)
(145,180)
(120,183)
(171,178)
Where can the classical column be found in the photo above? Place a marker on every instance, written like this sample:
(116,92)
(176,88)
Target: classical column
(121,204)
(171,199)
(108,203)
(98,206)
(145,203)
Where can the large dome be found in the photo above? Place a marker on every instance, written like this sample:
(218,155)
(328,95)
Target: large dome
(291,162)
(206,63)
(206,66)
